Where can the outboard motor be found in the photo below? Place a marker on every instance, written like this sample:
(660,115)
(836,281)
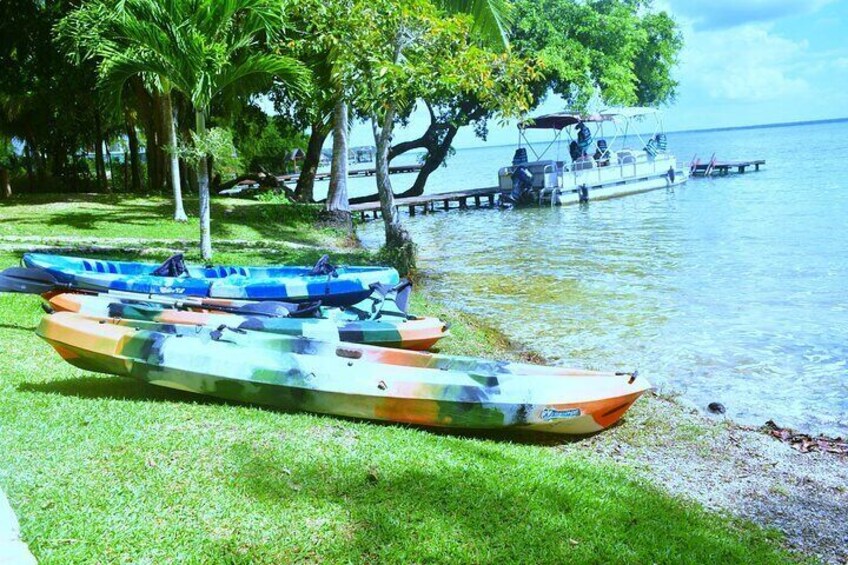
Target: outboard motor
(522,181)
(522,186)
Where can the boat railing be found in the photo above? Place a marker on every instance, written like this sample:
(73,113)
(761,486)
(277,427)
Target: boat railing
(550,176)
(570,180)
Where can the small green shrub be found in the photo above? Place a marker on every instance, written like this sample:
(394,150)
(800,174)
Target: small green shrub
(273,197)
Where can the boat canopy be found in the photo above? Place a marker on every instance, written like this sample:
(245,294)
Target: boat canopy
(560,120)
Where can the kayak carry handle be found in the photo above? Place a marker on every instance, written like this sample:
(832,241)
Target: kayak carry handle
(349,353)
(632,378)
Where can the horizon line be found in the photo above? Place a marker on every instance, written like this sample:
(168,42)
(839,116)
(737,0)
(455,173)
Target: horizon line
(706,130)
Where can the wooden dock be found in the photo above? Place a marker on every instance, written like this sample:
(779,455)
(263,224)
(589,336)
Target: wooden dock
(714,166)
(461,199)
(393,170)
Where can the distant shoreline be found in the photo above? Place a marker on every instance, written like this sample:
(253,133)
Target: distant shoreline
(707,130)
(765,126)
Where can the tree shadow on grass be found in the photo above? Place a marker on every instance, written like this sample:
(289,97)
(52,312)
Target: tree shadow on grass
(484,505)
(84,220)
(263,222)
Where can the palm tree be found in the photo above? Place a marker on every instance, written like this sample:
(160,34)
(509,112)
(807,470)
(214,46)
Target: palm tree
(207,51)
(337,206)
(96,30)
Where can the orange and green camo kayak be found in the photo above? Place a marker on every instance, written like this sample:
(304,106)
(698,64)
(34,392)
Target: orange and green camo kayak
(345,379)
(391,329)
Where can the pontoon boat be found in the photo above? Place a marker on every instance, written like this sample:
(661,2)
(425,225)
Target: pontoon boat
(593,167)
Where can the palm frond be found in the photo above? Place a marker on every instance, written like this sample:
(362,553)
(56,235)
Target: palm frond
(259,70)
(492,18)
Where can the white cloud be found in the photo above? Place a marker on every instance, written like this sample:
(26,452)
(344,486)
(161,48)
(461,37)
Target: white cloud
(747,63)
(722,14)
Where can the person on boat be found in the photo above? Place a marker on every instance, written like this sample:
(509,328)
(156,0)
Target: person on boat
(575,151)
(584,137)
(602,155)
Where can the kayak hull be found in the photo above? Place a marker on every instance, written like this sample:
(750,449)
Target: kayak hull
(350,380)
(407,332)
(293,284)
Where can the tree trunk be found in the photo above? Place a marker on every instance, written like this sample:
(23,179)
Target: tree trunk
(337,206)
(4,180)
(134,162)
(203,191)
(147,105)
(111,177)
(161,140)
(437,140)
(188,178)
(154,144)
(99,164)
(170,119)
(30,172)
(399,249)
(381,173)
(436,154)
(150,155)
(305,190)
(41,169)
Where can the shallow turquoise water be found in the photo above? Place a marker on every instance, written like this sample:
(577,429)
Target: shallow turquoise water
(729,289)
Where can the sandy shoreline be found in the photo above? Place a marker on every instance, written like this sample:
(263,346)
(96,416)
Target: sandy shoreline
(736,469)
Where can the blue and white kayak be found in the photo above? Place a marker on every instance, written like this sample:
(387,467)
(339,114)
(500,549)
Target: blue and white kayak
(333,286)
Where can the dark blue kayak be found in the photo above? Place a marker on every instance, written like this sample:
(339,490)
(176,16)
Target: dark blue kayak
(333,286)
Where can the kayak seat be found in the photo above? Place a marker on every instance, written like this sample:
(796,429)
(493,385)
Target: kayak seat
(222,272)
(99,266)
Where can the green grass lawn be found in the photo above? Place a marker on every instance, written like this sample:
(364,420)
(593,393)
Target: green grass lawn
(106,469)
(104,216)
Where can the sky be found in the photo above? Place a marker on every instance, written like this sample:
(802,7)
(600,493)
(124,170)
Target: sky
(744,62)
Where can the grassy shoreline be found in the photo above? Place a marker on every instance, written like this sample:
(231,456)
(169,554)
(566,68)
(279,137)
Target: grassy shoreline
(104,468)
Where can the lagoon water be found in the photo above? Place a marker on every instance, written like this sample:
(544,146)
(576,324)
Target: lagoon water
(727,289)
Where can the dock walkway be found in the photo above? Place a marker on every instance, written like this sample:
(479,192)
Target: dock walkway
(713,166)
(428,202)
(356,173)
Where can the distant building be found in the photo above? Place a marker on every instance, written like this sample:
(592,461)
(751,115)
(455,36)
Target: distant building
(295,157)
(364,154)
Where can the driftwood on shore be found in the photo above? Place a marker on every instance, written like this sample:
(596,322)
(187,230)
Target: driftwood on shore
(806,443)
